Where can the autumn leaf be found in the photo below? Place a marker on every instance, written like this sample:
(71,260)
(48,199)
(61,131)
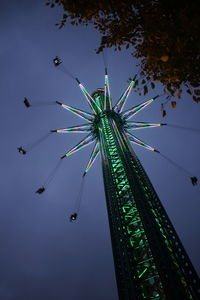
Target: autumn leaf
(196,99)
(197,92)
(164,58)
(173,104)
(143,81)
(136,83)
(152,85)
(127,46)
(178,95)
(145,90)
(165,53)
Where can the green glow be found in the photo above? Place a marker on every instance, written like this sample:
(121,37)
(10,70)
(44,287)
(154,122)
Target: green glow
(128,190)
(142,273)
(133,225)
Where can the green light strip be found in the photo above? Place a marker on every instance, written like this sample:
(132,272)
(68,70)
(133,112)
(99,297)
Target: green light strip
(142,273)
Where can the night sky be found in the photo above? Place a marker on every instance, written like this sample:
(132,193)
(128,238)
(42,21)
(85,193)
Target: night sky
(43,255)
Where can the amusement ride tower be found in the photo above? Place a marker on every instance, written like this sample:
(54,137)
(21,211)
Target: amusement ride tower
(150,261)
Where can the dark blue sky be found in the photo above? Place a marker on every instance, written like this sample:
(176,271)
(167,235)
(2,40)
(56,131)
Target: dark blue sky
(42,255)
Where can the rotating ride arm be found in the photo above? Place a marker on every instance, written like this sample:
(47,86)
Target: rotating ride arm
(82,114)
(93,156)
(74,129)
(139,142)
(135,109)
(85,142)
(122,100)
(140,125)
(93,105)
(107,97)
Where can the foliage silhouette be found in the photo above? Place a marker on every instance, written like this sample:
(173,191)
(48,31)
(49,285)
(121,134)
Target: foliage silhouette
(164,35)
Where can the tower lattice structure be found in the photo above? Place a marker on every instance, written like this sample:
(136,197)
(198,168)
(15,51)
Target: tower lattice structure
(150,260)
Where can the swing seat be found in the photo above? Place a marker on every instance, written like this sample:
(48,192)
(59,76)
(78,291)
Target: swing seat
(21,150)
(40,190)
(57,61)
(73,217)
(26,102)
(194,180)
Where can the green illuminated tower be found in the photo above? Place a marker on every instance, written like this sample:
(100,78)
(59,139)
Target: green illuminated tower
(150,261)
